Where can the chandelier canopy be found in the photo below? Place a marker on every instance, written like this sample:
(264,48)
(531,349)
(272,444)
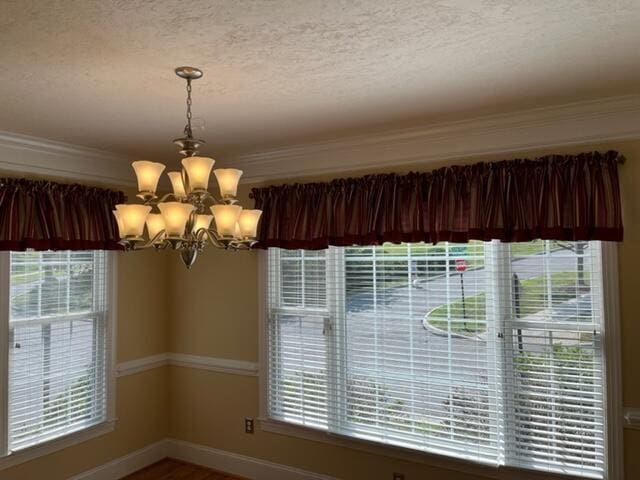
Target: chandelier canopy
(180,220)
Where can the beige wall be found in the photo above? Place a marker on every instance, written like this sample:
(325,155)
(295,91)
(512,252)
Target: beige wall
(215,313)
(142,399)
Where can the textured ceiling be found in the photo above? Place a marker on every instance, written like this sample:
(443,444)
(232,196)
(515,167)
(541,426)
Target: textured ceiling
(100,73)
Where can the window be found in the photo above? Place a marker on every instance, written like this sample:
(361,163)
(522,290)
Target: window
(56,340)
(485,351)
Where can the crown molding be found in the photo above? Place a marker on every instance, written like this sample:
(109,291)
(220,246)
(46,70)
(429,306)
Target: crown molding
(39,156)
(581,123)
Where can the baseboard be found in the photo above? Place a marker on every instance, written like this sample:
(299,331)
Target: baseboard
(237,464)
(221,460)
(127,464)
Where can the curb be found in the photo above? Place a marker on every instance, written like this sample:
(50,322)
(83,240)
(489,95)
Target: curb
(443,333)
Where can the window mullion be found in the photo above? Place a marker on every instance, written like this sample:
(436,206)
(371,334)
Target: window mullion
(99,330)
(500,339)
(609,342)
(336,338)
(5,272)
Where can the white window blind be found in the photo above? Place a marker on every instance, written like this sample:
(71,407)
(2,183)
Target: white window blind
(488,352)
(58,316)
(299,353)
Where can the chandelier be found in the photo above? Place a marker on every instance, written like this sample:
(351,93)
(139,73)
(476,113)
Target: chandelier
(182,221)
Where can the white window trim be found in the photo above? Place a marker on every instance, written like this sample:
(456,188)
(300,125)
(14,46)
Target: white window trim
(93,431)
(613,418)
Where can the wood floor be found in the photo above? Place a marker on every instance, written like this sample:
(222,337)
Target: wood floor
(169,469)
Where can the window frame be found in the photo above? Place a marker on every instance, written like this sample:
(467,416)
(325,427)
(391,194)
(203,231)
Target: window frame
(613,420)
(9,459)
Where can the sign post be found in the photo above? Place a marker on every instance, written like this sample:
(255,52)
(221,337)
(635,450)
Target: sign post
(461,266)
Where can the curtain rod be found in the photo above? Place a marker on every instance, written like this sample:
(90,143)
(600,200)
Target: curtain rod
(622,159)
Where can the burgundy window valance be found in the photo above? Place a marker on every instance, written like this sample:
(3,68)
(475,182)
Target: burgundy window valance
(557,197)
(45,215)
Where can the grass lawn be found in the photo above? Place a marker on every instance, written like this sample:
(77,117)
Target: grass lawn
(474,323)
(22,278)
(533,298)
(535,247)
(527,248)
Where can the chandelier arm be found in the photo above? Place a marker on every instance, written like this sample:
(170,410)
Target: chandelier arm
(126,244)
(207,195)
(213,238)
(245,244)
(224,201)
(143,244)
(157,236)
(215,200)
(167,196)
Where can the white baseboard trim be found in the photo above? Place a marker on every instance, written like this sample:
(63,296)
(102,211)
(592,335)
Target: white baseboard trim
(123,466)
(237,464)
(213,364)
(221,460)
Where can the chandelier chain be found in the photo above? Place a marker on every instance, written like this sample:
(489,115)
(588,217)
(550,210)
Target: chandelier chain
(187,129)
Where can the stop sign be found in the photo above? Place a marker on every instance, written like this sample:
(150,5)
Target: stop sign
(461,265)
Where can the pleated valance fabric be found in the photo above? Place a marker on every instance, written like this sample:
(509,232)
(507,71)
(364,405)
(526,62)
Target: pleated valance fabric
(557,197)
(44,215)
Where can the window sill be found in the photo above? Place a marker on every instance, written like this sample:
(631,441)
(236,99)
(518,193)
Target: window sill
(31,453)
(431,459)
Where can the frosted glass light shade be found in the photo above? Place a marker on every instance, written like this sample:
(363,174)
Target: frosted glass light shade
(198,170)
(228,179)
(148,174)
(133,218)
(202,221)
(226,217)
(118,215)
(175,216)
(177,184)
(248,222)
(155,223)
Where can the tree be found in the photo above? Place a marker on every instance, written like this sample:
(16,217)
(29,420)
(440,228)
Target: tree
(578,249)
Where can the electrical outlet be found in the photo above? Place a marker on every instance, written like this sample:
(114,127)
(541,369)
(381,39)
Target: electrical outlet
(398,476)
(248,425)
